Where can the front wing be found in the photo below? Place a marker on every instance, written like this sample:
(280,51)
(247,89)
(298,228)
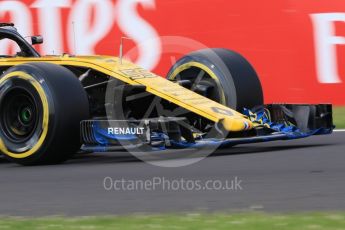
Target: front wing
(270,123)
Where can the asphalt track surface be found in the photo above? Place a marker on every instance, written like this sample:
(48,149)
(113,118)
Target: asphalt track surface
(300,175)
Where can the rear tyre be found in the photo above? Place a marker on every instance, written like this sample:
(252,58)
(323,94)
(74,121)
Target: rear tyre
(221,75)
(41,106)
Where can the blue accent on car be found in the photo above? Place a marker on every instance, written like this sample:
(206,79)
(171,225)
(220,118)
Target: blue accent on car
(102,136)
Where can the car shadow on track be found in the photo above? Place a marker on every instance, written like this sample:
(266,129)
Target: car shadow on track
(239,150)
(126,157)
(3,160)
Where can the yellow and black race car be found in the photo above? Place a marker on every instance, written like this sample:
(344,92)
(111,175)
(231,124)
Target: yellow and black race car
(54,106)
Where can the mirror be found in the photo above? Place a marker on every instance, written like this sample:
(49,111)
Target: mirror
(36,40)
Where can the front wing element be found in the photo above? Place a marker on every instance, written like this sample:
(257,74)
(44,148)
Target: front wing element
(271,122)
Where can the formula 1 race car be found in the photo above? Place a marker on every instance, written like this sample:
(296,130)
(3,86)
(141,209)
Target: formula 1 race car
(54,106)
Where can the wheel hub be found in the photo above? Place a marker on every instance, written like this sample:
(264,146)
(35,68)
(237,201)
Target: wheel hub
(19,115)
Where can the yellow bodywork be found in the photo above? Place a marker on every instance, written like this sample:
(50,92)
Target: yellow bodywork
(156,85)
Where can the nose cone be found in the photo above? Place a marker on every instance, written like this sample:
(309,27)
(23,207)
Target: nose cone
(236,124)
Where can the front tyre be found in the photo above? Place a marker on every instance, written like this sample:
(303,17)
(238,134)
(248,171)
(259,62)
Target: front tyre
(41,106)
(221,75)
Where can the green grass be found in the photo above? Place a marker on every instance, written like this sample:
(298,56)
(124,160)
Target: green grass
(305,221)
(339,117)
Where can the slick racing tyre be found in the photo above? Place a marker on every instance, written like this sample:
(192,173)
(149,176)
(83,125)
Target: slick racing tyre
(221,75)
(41,106)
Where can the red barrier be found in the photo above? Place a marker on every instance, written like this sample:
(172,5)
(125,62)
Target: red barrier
(297,47)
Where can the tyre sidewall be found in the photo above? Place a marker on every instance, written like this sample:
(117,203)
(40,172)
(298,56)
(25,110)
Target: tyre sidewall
(62,138)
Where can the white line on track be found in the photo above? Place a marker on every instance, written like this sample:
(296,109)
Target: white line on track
(339,130)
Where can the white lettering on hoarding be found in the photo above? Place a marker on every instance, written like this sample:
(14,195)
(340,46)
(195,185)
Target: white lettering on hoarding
(141,31)
(88,37)
(326,41)
(89,33)
(49,14)
(20,15)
